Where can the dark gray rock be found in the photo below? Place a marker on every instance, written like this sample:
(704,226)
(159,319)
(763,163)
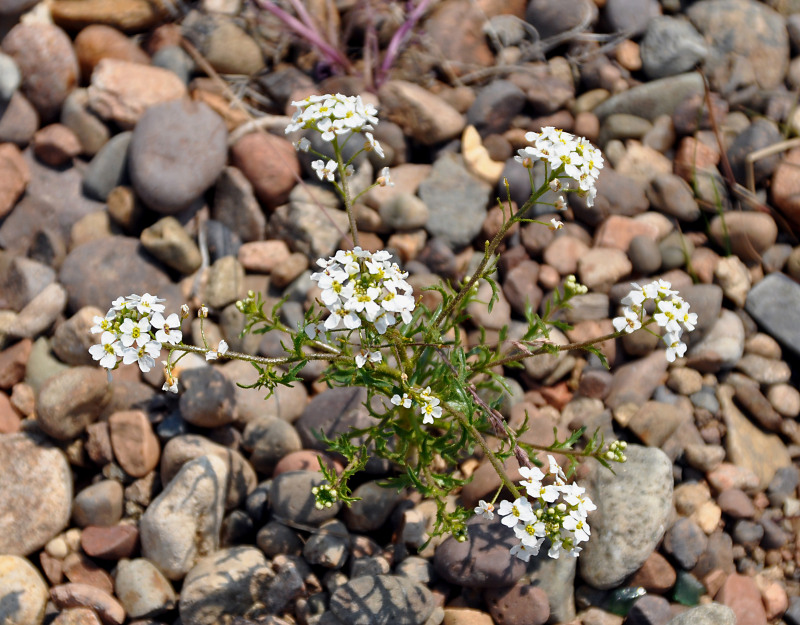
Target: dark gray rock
(671,46)
(291,498)
(652,99)
(495,106)
(768,301)
(108,168)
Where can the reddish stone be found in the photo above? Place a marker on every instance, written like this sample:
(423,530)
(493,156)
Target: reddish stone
(269,163)
(81,570)
(10,420)
(693,156)
(97,42)
(110,543)
(741,595)
(135,444)
(52,567)
(56,145)
(108,609)
(14,176)
(655,575)
(303,460)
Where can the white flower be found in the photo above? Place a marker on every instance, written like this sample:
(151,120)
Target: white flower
(137,332)
(385,178)
(513,513)
(667,317)
(486,510)
(531,533)
(639,294)
(324,170)
(107,350)
(574,496)
(170,385)
(523,551)
(430,409)
(372,144)
(675,348)
(145,356)
(404,401)
(202,312)
(165,328)
(628,322)
(303,145)
(560,204)
(533,479)
(149,304)
(555,224)
(213,354)
(365,355)
(576,523)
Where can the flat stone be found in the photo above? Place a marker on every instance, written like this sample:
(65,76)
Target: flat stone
(291,498)
(422,115)
(766,302)
(654,98)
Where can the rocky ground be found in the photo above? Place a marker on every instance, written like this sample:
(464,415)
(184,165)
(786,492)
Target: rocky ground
(127,165)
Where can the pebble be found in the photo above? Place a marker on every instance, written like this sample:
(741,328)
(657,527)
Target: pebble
(91,132)
(56,145)
(80,569)
(40,313)
(635,382)
(110,543)
(126,15)
(456,200)
(181,449)
(421,114)
(404,212)
(84,596)
(711,614)
(685,541)
(312,232)
(765,303)
(19,121)
(740,594)
(785,399)
(375,504)
(77,616)
(747,446)
(209,398)
(182,524)
(649,610)
(617,194)
(750,233)
(226,283)
(734,278)
(14,177)
(520,288)
(23,592)
(236,206)
(627,529)
(98,41)
(458,29)
(275,538)
(482,561)
(760,134)
(49,67)
(671,46)
(224,585)
(136,447)
(142,589)
(553,18)
(98,504)
(10,78)
(764,370)
(704,458)
(69,401)
(721,347)
(109,167)
(382,600)
(495,106)
(271,165)
(521,604)
(753,32)
(269,439)
(168,241)
(170,170)
(223,44)
(501,311)
(291,498)
(653,99)
(602,267)
(328,547)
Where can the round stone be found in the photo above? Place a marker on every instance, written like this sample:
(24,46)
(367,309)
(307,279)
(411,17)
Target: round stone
(23,592)
(177,151)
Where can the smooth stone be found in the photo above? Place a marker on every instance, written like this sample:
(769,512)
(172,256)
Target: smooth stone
(72,338)
(182,524)
(483,560)
(291,498)
(269,439)
(712,614)
(170,169)
(457,201)
(329,547)
(85,596)
(557,579)
(673,196)
(14,177)
(721,347)
(747,445)
(423,115)
(71,400)
(168,241)
(495,106)
(654,98)
(382,600)
(635,382)
(23,592)
(767,302)
(270,163)
(135,445)
(92,133)
(671,46)
(142,588)
(47,62)
(236,206)
(373,507)
(626,528)
(108,168)
(750,234)
(18,120)
(313,232)
(223,585)
(98,504)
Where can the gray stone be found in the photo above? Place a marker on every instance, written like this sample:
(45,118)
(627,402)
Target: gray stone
(36,479)
(495,106)
(483,560)
(71,400)
(634,507)
(208,400)
(312,230)
(713,614)
(671,46)
(373,508)
(177,151)
(553,17)
(768,302)
(457,201)
(652,99)
(404,211)
(673,196)
(236,206)
(72,339)
(268,439)
(686,542)
(18,120)
(631,16)
(10,78)
(291,498)
(182,524)
(749,43)
(99,504)
(328,547)
(92,133)
(224,585)
(40,313)
(635,382)
(168,241)
(108,168)
(721,347)
(382,600)
(557,579)
(277,539)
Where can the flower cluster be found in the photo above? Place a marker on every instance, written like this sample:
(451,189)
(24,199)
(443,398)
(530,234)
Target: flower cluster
(333,115)
(558,513)
(429,405)
(359,287)
(133,330)
(325,496)
(567,156)
(671,313)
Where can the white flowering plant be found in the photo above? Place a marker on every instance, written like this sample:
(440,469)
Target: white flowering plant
(434,399)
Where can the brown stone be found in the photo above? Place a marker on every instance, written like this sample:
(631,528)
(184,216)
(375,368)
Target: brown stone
(77,616)
(135,444)
(56,145)
(82,570)
(97,42)
(263,256)
(84,596)
(127,15)
(13,361)
(741,595)
(656,574)
(110,543)
(693,156)
(10,420)
(618,231)
(269,163)
(521,604)
(14,176)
